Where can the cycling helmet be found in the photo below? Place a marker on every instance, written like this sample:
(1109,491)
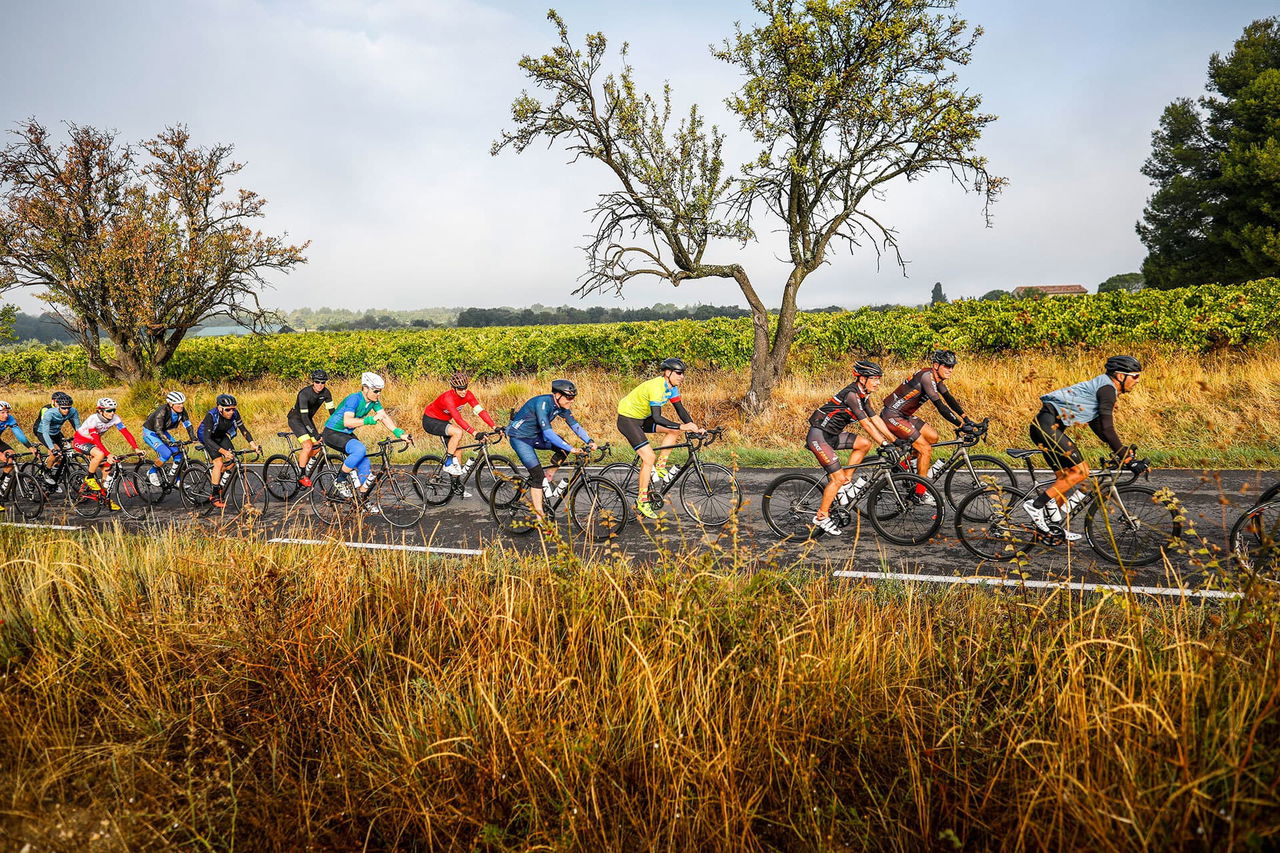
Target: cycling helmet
(1123,364)
(61,398)
(175,398)
(4,406)
(372,380)
(673,364)
(106,403)
(459,380)
(867,368)
(226,401)
(945,357)
(319,376)
(565,387)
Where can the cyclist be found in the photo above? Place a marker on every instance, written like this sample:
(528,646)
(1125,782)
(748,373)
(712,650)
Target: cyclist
(155,431)
(827,436)
(302,419)
(447,407)
(88,440)
(221,424)
(364,407)
(1091,402)
(530,430)
(8,421)
(900,407)
(640,414)
(48,428)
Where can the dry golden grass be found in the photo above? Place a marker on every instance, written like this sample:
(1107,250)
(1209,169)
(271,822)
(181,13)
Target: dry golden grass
(176,692)
(1191,409)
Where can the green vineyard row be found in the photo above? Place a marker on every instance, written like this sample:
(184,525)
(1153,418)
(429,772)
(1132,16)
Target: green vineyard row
(1194,318)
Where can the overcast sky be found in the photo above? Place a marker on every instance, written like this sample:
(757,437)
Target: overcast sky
(367,125)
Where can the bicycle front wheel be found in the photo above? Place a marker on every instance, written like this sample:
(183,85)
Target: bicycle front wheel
(710,494)
(905,509)
(436,486)
(789,504)
(328,498)
(133,493)
(1130,526)
(196,487)
(988,524)
(400,497)
(246,493)
(509,507)
(24,499)
(1255,540)
(598,508)
(281,474)
(978,472)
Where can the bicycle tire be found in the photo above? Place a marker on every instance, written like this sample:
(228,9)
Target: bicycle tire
(245,493)
(597,508)
(509,509)
(132,491)
(1255,539)
(987,525)
(24,499)
(789,504)
(87,502)
(487,476)
(898,511)
(326,501)
(401,499)
(197,487)
(280,473)
(1122,542)
(623,475)
(959,482)
(436,485)
(712,496)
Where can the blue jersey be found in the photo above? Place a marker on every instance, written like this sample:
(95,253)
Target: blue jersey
(49,422)
(12,423)
(534,420)
(357,405)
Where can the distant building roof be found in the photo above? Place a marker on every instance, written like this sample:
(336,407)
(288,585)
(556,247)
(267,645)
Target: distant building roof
(1050,289)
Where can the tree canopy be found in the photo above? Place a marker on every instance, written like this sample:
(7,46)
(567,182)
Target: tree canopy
(1215,164)
(1128,281)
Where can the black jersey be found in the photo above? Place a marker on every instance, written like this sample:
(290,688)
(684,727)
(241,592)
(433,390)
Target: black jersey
(912,394)
(309,402)
(850,403)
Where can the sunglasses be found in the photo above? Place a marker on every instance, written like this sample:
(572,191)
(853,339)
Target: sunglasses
(227,408)
(64,408)
(375,390)
(1134,375)
(109,411)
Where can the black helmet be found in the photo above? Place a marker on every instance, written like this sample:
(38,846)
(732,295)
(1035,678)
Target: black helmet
(945,357)
(867,368)
(1123,364)
(565,387)
(61,398)
(459,380)
(319,376)
(226,401)
(673,364)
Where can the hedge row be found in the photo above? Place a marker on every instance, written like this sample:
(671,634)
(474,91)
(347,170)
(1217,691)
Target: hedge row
(1194,318)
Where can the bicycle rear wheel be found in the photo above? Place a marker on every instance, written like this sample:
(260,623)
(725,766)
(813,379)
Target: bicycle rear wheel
(133,493)
(400,497)
(328,501)
(88,502)
(597,508)
(980,471)
(789,504)
(900,511)
(281,474)
(435,484)
(509,508)
(710,494)
(1131,526)
(1255,540)
(623,475)
(24,499)
(990,524)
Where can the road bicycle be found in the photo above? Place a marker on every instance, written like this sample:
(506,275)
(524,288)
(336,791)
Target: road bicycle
(1255,536)
(486,468)
(21,495)
(115,487)
(243,489)
(281,472)
(904,508)
(709,492)
(1124,523)
(394,496)
(63,478)
(182,474)
(962,472)
(595,506)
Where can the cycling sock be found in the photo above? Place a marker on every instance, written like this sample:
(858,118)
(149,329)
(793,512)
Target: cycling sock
(1041,500)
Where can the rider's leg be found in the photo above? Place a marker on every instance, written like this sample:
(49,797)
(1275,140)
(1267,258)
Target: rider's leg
(95,459)
(670,438)
(924,446)
(306,451)
(647,461)
(820,445)
(455,441)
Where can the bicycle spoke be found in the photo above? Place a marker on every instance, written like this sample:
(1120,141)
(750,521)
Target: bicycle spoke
(400,499)
(710,495)
(789,504)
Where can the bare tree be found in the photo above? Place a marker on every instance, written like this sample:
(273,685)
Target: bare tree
(128,255)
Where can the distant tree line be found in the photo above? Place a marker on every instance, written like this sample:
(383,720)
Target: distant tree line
(43,329)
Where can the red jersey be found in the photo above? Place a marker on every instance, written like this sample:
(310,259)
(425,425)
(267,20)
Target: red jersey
(448,406)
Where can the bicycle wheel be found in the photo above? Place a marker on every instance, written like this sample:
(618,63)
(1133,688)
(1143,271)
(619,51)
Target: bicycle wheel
(246,492)
(789,504)
(196,487)
(991,525)
(487,476)
(328,501)
(88,502)
(980,471)
(436,486)
(624,476)
(1130,526)
(899,511)
(132,492)
(710,496)
(401,499)
(510,509)
(1255,540)
(23,500)
(598,508)
(281,473)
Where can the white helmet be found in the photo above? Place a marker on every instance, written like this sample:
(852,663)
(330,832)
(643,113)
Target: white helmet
(175,398)
(4,404)
(106,403)
(372,380)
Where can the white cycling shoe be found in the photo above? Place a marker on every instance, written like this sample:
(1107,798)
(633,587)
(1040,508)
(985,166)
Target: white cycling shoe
(827,525)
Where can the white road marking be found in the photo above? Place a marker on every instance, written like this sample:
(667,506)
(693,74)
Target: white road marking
(41,526)
(1077,587)
(422,549)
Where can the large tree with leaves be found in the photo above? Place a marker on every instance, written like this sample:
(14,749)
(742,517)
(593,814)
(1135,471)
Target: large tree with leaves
(841,98)
(130,246)
(1215,163)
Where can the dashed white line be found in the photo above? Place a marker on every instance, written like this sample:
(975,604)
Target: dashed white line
(1075,587)
(41,526)
(377,546)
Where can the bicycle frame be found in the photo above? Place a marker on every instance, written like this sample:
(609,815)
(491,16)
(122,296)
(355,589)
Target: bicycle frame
(695,443)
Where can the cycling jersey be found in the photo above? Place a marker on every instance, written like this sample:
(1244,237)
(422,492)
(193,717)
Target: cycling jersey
(647,399)
(12,423)
(850,403)
(533,422)
(448,407)
(1093,402)
(309,402)
(50,421)
(355,404)
(216,431)
(95,426)
(163,419)
(912,394)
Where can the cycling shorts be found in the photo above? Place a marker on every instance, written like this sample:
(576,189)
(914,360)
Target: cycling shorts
(1048,434)
(85,447)
(302,429)
(823,445)
(4,447)
(51,441)
(525,448)
(337,439)
(435,426)
(903,426)
(635,430)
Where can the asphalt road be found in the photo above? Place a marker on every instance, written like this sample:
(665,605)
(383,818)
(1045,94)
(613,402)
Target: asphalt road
(1212,500)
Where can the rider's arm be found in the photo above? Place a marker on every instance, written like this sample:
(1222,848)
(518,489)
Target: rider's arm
(1104,425)
(191,433)
(930,388)
(576,427)
(551,436)
(950,400)
(96,438)
(480,411)
(128,436)
(243,427)
(681,412)
(455,412)
(655,412)
(18,433)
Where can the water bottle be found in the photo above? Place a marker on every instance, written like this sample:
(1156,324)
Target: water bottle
(470,463)
(849,492)
(1075,501)
(671,473)
(935,468)
(226,477)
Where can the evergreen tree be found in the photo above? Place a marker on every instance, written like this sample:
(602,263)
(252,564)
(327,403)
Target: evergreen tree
(938,296)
